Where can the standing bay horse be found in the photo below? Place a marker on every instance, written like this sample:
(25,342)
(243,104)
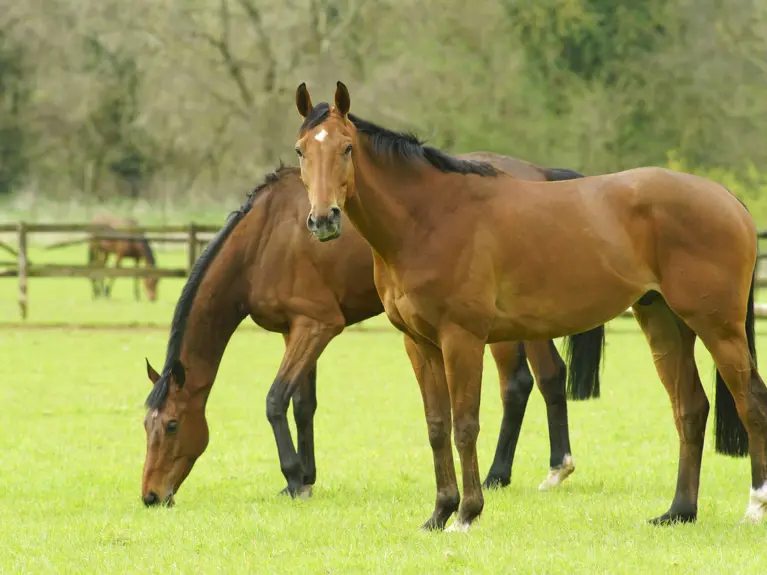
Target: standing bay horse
(265,265)
(465,255)
(128,247)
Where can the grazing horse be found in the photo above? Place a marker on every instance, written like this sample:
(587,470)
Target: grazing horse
(128,247)
(265,265)
(465,255)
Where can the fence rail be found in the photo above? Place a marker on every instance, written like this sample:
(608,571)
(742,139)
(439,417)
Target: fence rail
(188,234)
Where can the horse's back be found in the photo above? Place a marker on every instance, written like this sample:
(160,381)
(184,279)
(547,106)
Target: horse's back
(515,167)
(114,222)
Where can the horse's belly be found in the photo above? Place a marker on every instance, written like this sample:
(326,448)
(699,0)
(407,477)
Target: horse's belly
(548,314)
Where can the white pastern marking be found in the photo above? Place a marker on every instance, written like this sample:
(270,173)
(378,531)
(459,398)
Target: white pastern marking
(305,492)
(320,137)
(558,474)
(757,503)
(458,527)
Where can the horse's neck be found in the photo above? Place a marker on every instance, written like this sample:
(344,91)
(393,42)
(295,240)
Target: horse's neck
(382,207)
(147,254)
(215,315)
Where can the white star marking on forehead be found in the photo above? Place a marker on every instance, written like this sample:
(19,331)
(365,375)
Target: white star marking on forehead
(321,136)
(155,413)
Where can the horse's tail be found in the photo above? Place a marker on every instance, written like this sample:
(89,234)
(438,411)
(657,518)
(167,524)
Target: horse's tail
(583,354)
(731,436)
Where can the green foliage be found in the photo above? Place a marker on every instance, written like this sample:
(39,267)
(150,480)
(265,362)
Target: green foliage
(14,101)
(111,134)
(197,97)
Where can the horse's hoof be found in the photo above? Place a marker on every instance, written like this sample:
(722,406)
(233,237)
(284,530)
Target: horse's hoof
(673,519)
(495,482)
(432,525)
(303,492)
(458,527)
(557,475)
(757,504)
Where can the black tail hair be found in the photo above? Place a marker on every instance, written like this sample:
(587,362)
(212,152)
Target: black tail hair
(583,354)
(731,436)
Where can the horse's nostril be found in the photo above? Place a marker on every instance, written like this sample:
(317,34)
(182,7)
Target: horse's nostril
(335,213)
(311,223)
(151,499)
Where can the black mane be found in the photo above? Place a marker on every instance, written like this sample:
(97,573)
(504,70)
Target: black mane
(159,392)
(401,145)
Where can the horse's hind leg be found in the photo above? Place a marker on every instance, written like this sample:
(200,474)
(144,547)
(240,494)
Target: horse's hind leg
(673,344)
(551,375)
(304,408)
(516,383)
(726,341)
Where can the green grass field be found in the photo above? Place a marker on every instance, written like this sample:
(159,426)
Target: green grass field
(72,446)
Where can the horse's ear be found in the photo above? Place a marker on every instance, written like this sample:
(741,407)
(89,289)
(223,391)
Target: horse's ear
(343,101)
(153,375)
(178,373)
(303,100)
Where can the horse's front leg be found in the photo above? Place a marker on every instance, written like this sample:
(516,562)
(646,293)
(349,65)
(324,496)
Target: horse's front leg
(304,343)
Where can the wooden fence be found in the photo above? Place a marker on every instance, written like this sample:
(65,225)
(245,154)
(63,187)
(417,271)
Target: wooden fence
(193,235)
(189,234)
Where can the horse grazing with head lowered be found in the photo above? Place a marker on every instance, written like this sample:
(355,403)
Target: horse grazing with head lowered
(125,243)
(264,264)
(465,255)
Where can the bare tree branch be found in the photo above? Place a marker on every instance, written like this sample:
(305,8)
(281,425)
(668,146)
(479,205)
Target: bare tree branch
(222,44)
(270,75)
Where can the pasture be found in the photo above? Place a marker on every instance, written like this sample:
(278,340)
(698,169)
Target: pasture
(72,446)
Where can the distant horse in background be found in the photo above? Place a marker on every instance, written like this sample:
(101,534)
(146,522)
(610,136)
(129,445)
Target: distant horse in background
(129,247)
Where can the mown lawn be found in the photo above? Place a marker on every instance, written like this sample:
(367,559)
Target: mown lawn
(72,447)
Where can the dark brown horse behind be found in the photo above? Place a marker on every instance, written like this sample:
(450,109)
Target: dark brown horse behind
(265,265)
(465,255)
(128,247)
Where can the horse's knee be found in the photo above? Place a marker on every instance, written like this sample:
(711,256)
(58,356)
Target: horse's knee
(756,403)
(553,387)
(693,417)
(520,385)
(275,406)
(438,432)
(466,431)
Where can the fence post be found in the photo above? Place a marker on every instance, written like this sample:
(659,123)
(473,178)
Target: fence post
(23,269)
(192,248)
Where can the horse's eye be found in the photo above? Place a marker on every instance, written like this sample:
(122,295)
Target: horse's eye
(171,427)
(298,152)
(348,150)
